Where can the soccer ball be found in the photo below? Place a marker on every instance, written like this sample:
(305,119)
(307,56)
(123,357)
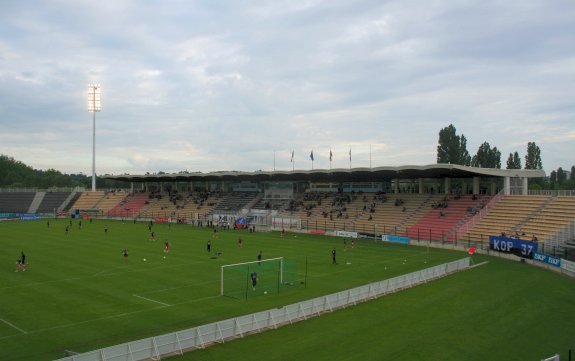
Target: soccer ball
(144,260)
(265,292)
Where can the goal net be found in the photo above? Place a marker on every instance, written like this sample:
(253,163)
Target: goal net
(237,280)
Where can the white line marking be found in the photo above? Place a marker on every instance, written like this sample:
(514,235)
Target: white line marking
(13,326)
(473,265)
(151,300)
(99,273)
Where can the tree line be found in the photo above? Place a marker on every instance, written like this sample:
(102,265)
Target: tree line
(452,148)
(15,174)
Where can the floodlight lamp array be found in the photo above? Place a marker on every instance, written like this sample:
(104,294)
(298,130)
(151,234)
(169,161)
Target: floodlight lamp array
(94,98)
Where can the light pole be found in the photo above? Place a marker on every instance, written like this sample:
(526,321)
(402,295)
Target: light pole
(94,105)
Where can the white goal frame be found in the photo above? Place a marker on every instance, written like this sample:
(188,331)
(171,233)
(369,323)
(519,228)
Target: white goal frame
(281,259)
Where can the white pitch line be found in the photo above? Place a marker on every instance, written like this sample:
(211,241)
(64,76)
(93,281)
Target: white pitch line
(151,300)
(13,326)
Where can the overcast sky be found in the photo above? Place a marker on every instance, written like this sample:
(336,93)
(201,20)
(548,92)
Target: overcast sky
(224,85)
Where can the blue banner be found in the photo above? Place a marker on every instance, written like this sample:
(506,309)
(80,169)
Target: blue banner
(8,215)
(29,217)
(518,247)
(550,260)
(395,239)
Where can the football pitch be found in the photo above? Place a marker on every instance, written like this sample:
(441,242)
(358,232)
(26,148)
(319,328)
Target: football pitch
(80,293)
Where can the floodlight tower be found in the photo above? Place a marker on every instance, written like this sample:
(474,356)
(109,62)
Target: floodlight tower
(94,105)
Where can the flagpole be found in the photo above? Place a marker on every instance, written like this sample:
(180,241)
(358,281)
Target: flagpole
(349,158)
(311,156)
(330,156)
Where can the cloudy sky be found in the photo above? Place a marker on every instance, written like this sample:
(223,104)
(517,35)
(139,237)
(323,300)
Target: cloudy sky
(212,85)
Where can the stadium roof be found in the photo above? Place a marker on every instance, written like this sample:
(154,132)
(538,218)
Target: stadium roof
(376,174)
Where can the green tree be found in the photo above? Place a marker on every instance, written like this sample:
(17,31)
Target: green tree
(15,174)
(514,162)
(572,176)
(517,160)
(452,148)
(561,176)
(487,157)
(553,177)
(533,157)
(465,157)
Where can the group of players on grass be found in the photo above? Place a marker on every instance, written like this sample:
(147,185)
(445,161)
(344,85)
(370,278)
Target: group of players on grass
(21,262)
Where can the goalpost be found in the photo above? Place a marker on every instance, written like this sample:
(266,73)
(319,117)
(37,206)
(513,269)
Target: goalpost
(235,277)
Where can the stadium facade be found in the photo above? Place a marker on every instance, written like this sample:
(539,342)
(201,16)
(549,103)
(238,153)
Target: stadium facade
(433,178)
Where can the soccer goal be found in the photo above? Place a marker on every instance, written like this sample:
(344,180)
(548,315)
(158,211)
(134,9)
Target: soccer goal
(270,274)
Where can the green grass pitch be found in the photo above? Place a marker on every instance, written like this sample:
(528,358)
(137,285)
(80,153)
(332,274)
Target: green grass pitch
(80,293)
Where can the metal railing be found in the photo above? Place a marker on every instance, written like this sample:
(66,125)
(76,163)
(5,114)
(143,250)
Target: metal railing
(552,192)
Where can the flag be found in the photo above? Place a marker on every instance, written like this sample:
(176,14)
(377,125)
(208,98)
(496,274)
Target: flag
(330,155)
(291,157)
(472,251)
(311,155)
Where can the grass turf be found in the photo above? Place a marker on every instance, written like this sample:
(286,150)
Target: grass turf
(79,293)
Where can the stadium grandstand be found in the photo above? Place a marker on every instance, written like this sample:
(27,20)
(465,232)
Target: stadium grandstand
(440,202)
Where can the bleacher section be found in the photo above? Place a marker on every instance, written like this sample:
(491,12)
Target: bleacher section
(396,213)
(52,201)
(16,202)
(436,217)
(181,206)
(87,201)
(197,206)
(444,216)
(233,202)
(558,213)
(271,204)
(130,206)
(110,200)
(507,218)
(361,212)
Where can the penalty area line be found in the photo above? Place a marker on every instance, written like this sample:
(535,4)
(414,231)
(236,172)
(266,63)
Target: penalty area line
(13,326)
(151,300)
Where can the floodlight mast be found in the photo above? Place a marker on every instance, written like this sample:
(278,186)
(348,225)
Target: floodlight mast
(94,105)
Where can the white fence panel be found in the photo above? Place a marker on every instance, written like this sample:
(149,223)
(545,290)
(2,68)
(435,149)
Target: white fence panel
(168,344)
(88,356)
(229,329)
(209,333)
(142,349)
(188,339)
(117,353)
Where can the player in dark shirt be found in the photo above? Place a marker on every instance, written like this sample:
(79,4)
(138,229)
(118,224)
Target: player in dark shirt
(333,256)
(21,262)
(254,277)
